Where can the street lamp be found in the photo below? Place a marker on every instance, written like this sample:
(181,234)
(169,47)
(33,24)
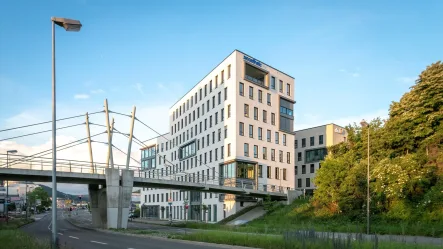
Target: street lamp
(68,25)
(7,183)
(363,123)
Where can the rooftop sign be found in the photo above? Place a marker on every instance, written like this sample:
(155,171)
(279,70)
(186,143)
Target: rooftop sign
(252,60)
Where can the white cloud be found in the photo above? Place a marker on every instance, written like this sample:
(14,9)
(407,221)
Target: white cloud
(352,74)
(407,80)
(81,96)
(139,88)
(313,121)
(97,91)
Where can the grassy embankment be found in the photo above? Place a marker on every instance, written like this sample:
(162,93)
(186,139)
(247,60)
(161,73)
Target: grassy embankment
(300,216)
(12,238)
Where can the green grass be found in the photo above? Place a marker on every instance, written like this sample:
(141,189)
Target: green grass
(278,242)
(14,223)
(300,216)
(16,239)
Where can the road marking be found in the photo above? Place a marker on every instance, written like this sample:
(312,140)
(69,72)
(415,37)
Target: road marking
(49,225)
(73,237)
(98,242)
(60,233)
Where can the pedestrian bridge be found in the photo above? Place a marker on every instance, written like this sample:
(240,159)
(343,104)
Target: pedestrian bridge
(110,202)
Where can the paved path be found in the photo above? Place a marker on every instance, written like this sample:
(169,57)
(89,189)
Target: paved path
(77,238)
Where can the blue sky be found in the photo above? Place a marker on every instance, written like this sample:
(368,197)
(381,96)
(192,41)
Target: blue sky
(350,59)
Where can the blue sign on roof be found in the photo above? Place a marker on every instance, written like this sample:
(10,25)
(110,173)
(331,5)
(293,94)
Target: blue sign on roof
(252,60)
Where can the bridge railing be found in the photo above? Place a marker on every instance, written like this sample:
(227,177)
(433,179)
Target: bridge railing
(77,166)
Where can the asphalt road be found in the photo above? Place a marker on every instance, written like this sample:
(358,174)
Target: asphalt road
(73,237)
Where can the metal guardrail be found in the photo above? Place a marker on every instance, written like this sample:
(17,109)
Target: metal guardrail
(77,166)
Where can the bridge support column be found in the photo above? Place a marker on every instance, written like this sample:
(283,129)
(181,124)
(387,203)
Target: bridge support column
(97,210)
(112,196)
(127,183)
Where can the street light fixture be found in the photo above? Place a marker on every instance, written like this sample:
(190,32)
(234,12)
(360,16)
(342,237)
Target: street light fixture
(68,25)
(7,183)
(363,123)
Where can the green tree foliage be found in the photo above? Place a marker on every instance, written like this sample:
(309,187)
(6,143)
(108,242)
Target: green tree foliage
(406,159)
(39,193)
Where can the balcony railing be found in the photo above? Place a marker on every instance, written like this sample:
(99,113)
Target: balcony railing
(255,80)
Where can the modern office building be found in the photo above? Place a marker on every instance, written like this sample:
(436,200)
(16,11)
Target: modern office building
(234,128)
(311,148)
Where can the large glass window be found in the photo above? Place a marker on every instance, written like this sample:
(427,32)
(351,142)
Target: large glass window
(245,170)
(187,150)
(315,155)
(148,158)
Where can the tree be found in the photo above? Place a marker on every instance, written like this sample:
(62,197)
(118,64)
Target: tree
(41,194)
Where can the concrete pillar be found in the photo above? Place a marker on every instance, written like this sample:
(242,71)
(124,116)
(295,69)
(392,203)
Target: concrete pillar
(94,193)
(112,196)
(127,183)
(292,195)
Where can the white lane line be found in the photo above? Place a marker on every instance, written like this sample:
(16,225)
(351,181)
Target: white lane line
(49,225)
(98,242)
(73,237)
(60,233)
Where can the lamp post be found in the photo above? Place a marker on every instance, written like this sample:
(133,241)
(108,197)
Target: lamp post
(7,184)
(68,25)
(363,123)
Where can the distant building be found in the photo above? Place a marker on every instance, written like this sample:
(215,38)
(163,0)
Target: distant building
(311,148)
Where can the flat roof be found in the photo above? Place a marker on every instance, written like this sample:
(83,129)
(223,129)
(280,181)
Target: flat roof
(319,127)
(235,50)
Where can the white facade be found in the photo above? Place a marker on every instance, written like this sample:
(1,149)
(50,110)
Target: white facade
(310,149)
(219,135)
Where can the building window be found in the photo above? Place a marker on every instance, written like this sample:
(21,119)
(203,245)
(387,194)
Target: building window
(265,153)
(260,96)
(273,82)
(216,81)
(246,110)
(219,98)
(216,118)
(242,89)
(246,149)
(219,134)
(251,92)
(255,113)
(229,71)
(222,76)
(320,139)
(269,98)
(308,182)
(272,154)
(260,171)
(268,135)
(222,152)
(251,131)
(277,173)
(260,131)
(312,168)
(255,151)
(222,114)
(303,142)
(265,116)
(206,90)
(299,156)
(288,89)
(280,85)
(213,102)
(284,174)
(229,149)
(299,183)
(280,155)
(315,155)
(284,139)
(229,111)
(296,170)
(226,131)
(241,129)
(276,137)
(226,93)
(296,143)
(288,157)
(272,118)
(311,141)
(303,169)
(268,172)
